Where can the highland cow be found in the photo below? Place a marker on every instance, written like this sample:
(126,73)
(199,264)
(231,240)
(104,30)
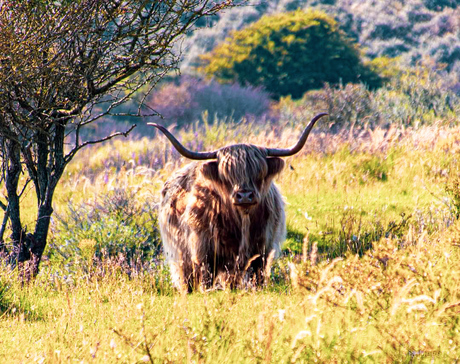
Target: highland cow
(223,217)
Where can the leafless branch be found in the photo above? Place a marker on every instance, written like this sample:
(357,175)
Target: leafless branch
(72,153)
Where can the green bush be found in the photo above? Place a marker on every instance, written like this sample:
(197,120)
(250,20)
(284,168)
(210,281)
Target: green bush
(117,227)
(288,54)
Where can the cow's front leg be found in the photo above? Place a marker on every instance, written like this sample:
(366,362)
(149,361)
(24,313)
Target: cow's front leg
(198,263)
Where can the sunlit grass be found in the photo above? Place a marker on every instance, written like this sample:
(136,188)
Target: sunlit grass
(381,195)
(321,190)
(390,305)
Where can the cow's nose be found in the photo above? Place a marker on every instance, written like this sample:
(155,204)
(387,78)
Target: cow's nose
(244,197)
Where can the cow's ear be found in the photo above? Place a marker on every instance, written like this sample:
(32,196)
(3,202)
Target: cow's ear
(275,166)
(210,170)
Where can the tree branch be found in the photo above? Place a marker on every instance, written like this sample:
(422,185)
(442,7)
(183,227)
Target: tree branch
(72,153)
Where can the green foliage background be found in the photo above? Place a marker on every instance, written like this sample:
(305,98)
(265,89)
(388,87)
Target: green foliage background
(288,54)
(414,31)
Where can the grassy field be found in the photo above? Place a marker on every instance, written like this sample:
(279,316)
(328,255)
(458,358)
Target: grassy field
(369,272)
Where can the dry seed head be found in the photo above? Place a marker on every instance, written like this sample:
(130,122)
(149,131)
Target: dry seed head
(281,314)
(314,254)
(359,300)
(371,352)
(268,266)
(302,334)
(305,247)
(400,295)
(418,298)
(325,289)
(417,307)
(446,307)
(410,234)
(293,275)
(309,318)
(248,264)
(326,270)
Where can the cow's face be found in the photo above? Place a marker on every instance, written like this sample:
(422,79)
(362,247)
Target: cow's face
(244,174)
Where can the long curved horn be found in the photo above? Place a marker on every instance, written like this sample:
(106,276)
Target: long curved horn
(275,152)
(181,149)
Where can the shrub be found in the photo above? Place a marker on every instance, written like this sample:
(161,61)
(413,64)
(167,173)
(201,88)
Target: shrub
(347,105)
(175,101)
(412,97)
(184,102)
(438,5)
(446,50)
(391,48)
(418,96)
(116,227)
(288,54)
(350,104)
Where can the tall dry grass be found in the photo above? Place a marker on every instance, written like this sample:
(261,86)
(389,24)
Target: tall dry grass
(374,286)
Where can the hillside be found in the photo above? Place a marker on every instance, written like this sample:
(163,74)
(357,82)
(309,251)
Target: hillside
(416,31)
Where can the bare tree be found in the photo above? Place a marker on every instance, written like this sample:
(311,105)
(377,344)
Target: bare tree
(63,65)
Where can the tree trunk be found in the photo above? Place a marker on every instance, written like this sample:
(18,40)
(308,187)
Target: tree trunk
(48,176)
(39,238)
(13,152)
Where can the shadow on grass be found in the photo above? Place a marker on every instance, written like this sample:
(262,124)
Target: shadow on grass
(353,235)
(15,302)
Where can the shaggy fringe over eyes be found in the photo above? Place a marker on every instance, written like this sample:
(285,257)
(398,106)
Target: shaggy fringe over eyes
(241,165)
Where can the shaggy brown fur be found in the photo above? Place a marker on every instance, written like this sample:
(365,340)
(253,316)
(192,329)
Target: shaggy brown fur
(205,235)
